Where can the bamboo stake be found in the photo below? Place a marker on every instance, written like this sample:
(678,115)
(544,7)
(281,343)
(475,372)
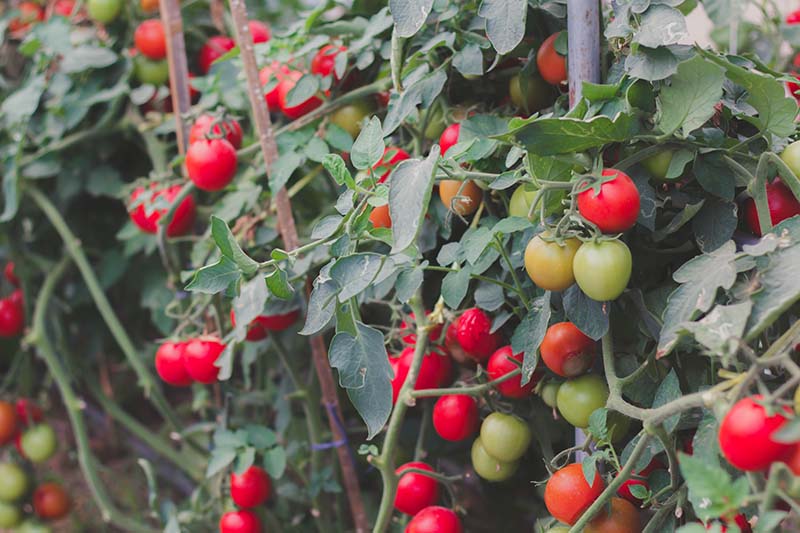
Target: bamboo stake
(178,67)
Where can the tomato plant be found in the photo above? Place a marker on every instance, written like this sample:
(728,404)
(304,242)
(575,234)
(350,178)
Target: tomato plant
(415,491)
(566,351)
(578,398)
(259,31)
(150,39)
(104,11)
(622,517)
(489,467)
(199,358)
(51,501)
(13,482)
(455,417)
(240,522)
(568,494)
(602,269)
(782,205)
(214,48)
(613,208)
(39,443)
(435,519)
(460,197)
(505,437)
(211,163)
(502,362)
(208,126)
(146,216)
(251,488)
(748,422)
(8,422)
(549,264)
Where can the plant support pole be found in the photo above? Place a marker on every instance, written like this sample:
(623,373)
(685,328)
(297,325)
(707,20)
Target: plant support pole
(178,67)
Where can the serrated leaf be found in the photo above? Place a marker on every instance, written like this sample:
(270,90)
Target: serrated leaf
(219,460)
(551,136)
(409,15)
(505,22)
(659,26)
(423,91)
(529,334)
(779,289)
(229,246)
(215,278)
(354,273)
(711,490)
(688,101)
(721,330)
(321,305)
(368,148)
(590,316)
(410,190)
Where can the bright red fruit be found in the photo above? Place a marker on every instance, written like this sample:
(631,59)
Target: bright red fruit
(500,364)
(288,82)
(263,324)
(391,156)
(324,62)
(455,416)
(793,17)
(29,12)
(8,273)
(211,164)
(273,72)
(214,48)
(625,490)
(435,371)
(567,494)
(146,217)
(552,66)
(170,364)
(745,436)
(782,205)
(64,7)
(12,315)
(473,334)
(203,126)
(50,501)
(240,522)
(615,208)
(409,332)
(199,357)
(259,31)
(251,488)
(150,39)
(449,137)
(435,519)
(566,350)
(415,491)
(28,412)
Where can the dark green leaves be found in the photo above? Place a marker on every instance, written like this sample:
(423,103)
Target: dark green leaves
(661,26)
(529,334)
(688,101)
(229,247)
(409,15)
(215,278)
(368,148)
(422,92)
(551,136)
(505,22)
(711,490)
(354,273)
(409,196)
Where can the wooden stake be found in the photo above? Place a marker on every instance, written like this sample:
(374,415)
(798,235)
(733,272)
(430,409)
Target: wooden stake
(178,67)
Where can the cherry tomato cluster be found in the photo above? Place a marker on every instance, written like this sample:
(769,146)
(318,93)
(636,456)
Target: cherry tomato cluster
(181,363)
(260,326)
(250,489)
(12,307)
(211,159)
(147,207)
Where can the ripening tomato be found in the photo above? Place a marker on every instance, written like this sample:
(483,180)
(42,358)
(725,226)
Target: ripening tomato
(146,217)
(455,416)
(29,13)
(208,125)
(602,269)
(536,96)
(148,5)
(64,8)
(474,336)
(103,11)
(409,335)
(489,467)
(782,205)
(8,273)
(501,363)
(449,137)
(10,515)
(251,488)
(435,371)
(552,65)
(460,197)
(351,117)
(50,501)
(150,39)
(415,491)
(324,62)
(505,437)
(549,264)
(214,48)
(12,316)
(8,422)
(578,398)
(211,164)
(379,216)
(435,519)
(519,205)
(270,77)
(658,165)
(567,494)
(549,393)
(13,482)
(623,518)
(793,17)
(615,207)
(28,412)
(263,324)
(259,31)
(745,436)
(240,522)
(625,489)
(199,357)
(39,443)
(302,108)
(149,71)
(566,350)
(170,365)
(391,156)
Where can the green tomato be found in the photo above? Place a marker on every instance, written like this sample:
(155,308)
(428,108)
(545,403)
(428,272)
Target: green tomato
(687,6)
(520,202)
(152,72)
(39,443)
(351,117)
(537,95)
(602,269)
(488,467)
(578,398)
(435,125)
(30,526)
(791,156)
(505,437)
(657,165)
(13,482)
(549,393)
(104,11)
(10,515)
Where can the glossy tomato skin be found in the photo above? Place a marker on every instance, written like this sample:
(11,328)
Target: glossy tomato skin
(505,437)
(251,488)
(625,490)
(658,164)
(211,164)
(622,518)
(259,31)
(409,333)
(199,357)
(39,443)
(64,8)
(50,501)
(566,350)
(578,398)
(473,333)
(615,207)
(29,13)
(207,123)
(415,491)
(489,467)
(552,66)
(782,205)
(103,11)
(150,39)
(170,365)
(602,269)
(8,273)
(391,156)
(435,519)
(28,412)
(240,522)
(146,218)
(303,108)
(324,62)
(793,17)
(549,264)
(350,117)
(500,364)
(261,325)
(13,482)
(150,71)
(271,75)
(455,417)
(791,156)
(12,316)
(460,197)
(745,436)
(449,137)
(567,494)
(435,371)
(214,48)
(8,422)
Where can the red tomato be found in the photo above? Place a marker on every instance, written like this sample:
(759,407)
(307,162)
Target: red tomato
(391,156)
(793,17)
(435,519)
(12,316)
(473,334)
(566,350)
(170,365)
(8,422)
(28,412)
(240,522)
(146,217)
(64,8)
(324,62)
(449,137)
(552,66)
(211,164)
(150,39)
(259,31)
(622,518)
(273,72)
(303,108)
(615,208)
(625,490)
(379,216)
(745,436)
(415,491)
(262,324)
(8,273)
(793,86)
(567,493)
(409,332)
(202,127)
(500,364)
(455,416)
(741,522)
(29,13)
(251,488)
(199,357)
(792,460)
(435,371)
(50,501)
(215,47)
(782,205)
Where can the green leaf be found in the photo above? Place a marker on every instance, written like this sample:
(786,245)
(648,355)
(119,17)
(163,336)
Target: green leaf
(479,129)
(282,169)
(260,437)
(220,459)
(469,60)
(652,64)
(337,168)
(529,334)
(354,273)
(215,278)
(714,176)
(511,225)
(454,287)
(489,296)
(589,466)
(551,136)
(779,289)
(474,242)
(598,424)
(368,148)
(278,284)
(275,462)
(505,22)
(668,391)
(661,26)
(711,490)
(244,459)
(714,225)
(688,101)
(423,91)
(85,57)
(409,15)
(321,305)
(326,227)
(721,330)
(590,316)
(408,281)
(365,372)
(409,195)
(229,246)
(305,89)
(249,304)
(18,106)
